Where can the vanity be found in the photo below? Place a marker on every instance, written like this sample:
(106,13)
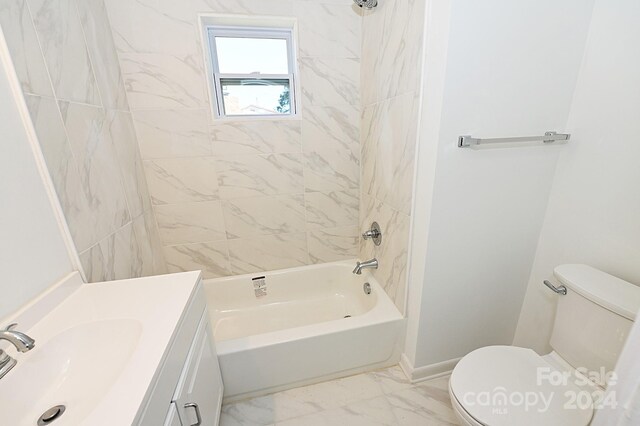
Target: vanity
(128,352)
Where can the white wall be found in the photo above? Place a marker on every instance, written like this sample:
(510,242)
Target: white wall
(509,70)
(593,215)
(33,254)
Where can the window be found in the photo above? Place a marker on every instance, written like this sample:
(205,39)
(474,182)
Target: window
(253,71)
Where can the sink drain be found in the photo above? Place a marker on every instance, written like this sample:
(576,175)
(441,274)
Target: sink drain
(51,415)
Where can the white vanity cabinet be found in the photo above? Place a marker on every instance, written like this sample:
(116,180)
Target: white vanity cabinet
(198,396)
(188,387)
(172,418)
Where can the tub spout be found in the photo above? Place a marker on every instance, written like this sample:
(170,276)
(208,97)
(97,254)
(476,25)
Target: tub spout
(373,263)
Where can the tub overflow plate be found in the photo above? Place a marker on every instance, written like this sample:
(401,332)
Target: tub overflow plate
(51,415)
(367,288)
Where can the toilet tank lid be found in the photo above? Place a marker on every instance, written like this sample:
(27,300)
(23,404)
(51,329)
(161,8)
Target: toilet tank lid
(610,292)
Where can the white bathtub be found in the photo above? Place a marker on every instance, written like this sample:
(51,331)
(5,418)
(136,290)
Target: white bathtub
(297,333)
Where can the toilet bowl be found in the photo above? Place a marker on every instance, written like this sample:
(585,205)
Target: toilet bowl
(508,385)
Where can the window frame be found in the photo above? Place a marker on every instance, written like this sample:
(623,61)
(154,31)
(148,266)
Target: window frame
(280,33)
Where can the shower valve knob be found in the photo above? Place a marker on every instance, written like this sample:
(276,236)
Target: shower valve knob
(375,234)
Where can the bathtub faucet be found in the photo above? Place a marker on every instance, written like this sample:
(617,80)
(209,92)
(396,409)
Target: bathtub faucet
(373,263)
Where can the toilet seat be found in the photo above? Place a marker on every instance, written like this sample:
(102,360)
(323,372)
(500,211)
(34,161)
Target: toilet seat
(507,385)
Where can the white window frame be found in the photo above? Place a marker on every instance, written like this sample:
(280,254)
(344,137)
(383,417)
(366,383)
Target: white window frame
(213,31)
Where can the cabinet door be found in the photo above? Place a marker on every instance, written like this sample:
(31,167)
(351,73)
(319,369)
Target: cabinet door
(172,418)
(198,397)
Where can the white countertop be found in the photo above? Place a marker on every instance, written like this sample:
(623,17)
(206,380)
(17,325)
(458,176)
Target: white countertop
(145,312)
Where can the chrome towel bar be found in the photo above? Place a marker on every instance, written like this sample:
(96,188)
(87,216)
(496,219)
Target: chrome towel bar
(468,141)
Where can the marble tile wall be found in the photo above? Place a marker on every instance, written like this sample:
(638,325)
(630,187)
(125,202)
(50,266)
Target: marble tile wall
(66,62)
(234,197)
(390,75)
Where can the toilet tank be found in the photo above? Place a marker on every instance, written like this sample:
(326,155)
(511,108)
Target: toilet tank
(594,318)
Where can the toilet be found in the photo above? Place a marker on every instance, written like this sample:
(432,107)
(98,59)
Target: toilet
(507,385)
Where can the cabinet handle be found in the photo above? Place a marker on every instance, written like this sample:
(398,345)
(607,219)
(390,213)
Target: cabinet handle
(198,418)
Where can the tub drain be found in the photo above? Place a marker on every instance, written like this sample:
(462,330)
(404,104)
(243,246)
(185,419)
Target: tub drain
(347,316)
(51,415)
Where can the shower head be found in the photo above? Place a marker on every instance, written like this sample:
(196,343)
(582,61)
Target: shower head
(367,4)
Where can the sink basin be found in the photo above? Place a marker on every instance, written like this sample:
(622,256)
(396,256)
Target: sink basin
(75,368)
(98,349)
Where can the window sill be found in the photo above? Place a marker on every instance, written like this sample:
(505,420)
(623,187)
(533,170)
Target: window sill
(294,117)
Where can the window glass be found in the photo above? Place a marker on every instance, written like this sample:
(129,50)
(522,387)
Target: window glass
(256,97)
(252,55)
(252,70)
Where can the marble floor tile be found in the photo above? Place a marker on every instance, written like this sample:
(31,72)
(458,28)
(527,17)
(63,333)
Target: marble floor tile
(425,403)
(391,379)
(382,397)
(370,412)
(337,393)
(267,410)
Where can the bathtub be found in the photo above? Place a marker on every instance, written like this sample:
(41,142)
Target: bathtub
(282,329)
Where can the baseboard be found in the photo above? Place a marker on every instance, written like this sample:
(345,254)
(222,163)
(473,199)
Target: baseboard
(426,372)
